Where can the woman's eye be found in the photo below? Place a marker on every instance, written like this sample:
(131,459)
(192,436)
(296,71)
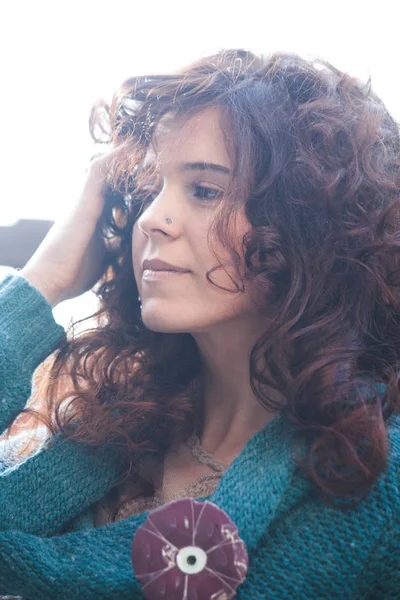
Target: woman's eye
(147,194)
(206,193)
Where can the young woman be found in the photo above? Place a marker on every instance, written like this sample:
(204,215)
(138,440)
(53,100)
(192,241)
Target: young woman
(242,233)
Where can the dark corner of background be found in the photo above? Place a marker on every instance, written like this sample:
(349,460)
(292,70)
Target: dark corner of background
(19,241)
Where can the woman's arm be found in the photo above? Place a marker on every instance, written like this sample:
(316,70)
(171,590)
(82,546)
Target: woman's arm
(28,335)
(89,565)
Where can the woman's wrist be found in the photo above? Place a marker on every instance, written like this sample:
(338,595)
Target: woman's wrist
(37,281)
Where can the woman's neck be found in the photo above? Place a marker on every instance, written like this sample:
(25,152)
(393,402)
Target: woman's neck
(231,412)
(230,420)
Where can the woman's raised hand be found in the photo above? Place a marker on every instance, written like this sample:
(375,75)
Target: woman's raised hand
(70,260)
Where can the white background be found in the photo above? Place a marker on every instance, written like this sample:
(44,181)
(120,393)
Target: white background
(58,57)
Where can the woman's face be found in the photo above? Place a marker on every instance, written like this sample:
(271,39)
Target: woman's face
(187,194)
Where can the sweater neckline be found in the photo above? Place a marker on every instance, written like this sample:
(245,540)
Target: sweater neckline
(257,486)
(254,489)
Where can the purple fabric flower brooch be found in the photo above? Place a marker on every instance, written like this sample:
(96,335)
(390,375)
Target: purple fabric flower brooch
(189,550)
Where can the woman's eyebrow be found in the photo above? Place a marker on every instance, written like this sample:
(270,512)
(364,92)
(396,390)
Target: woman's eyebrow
(191,166)
(203,166)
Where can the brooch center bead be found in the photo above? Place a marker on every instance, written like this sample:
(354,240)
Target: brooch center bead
(191,559)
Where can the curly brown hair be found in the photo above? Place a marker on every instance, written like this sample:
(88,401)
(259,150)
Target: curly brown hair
(316,156)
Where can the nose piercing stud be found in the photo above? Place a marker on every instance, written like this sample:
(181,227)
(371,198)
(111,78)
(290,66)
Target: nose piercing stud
(168,221)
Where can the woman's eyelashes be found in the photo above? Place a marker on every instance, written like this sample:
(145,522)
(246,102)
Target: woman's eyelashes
(203,193)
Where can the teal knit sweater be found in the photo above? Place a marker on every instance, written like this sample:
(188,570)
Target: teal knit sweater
(299,548)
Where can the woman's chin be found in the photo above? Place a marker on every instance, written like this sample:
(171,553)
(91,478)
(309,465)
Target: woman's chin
(162,323)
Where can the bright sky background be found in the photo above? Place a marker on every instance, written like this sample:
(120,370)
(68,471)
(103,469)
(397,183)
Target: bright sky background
(58,57)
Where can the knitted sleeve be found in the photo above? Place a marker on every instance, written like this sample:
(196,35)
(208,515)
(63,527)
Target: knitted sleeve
(36,497)
(28,334)
(90,565)
(43,494)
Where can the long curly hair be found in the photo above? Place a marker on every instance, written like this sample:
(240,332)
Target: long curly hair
(316,158)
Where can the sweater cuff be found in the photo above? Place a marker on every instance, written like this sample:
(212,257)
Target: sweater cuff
(27,322)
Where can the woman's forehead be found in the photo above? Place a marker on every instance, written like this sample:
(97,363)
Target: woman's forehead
(194,140)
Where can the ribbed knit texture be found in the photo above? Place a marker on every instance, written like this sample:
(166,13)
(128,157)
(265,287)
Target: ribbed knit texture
(299,548)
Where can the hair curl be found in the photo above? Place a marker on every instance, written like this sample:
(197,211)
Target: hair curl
(315,157)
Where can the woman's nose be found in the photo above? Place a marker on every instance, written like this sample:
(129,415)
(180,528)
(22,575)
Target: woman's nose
(160,216)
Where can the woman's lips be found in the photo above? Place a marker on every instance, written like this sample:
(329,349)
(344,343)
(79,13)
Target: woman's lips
(151,275)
